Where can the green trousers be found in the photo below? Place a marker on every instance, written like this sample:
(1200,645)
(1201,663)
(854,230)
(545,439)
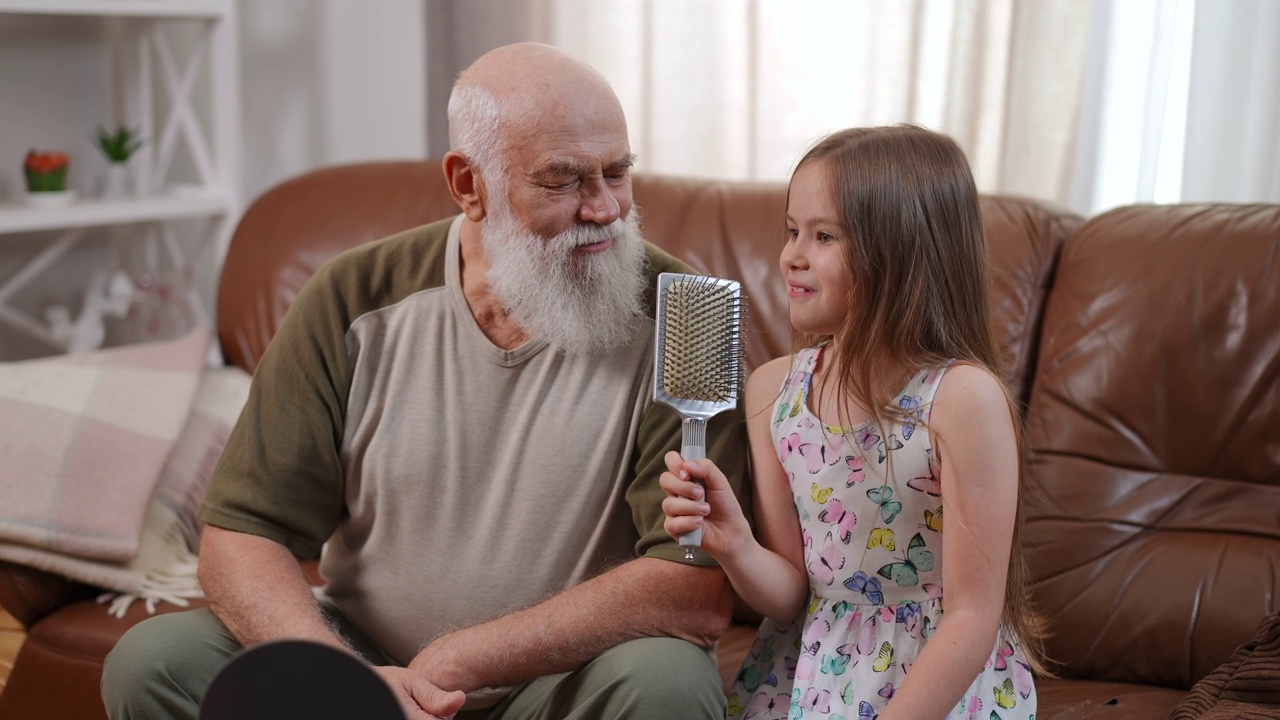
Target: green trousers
(161,668)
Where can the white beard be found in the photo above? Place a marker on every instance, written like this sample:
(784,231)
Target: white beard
(586,303)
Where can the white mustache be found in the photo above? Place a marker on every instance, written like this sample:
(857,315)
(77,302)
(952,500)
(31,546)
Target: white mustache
(580,235)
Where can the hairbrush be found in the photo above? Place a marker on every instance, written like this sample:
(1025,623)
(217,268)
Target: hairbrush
(697,367)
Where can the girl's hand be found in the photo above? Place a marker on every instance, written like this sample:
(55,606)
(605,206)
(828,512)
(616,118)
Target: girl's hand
(711,506)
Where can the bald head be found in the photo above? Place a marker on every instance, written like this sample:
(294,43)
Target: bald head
(518,91)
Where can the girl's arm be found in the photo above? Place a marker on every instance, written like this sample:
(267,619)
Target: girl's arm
(767,568)
(973,432)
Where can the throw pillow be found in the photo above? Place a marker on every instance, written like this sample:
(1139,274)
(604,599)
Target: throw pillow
(1247,685)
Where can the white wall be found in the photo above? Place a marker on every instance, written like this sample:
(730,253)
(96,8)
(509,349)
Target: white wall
(52,91)
(322,82)
(329,81)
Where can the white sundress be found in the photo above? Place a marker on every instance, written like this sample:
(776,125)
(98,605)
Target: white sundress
(873,548)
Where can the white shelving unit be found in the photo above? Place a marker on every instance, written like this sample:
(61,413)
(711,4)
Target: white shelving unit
(141,64)
(93,212)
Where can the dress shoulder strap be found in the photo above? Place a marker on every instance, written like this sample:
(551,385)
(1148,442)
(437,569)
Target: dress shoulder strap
(920,391)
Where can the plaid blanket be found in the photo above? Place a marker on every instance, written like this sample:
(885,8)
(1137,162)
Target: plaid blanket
(165,566)
(83,439)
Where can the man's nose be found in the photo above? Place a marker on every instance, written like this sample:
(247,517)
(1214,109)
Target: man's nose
(599,205)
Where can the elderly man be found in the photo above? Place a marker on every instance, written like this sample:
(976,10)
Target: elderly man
(460,415)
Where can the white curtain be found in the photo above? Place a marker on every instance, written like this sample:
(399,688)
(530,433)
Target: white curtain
(1233,118)
(1089,103)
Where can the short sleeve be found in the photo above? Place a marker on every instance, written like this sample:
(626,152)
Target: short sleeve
(281,475)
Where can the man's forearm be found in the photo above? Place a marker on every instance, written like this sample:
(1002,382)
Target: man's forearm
(258,590)
(642,598)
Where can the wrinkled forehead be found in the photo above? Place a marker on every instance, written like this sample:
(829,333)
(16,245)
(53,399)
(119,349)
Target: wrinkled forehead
(572,140)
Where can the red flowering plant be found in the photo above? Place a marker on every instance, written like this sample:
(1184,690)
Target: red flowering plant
(46,171)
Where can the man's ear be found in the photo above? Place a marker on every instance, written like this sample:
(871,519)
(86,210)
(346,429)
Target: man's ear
(465,185)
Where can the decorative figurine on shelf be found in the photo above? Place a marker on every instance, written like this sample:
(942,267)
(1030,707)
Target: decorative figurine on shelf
(118,146)
(46,174)
(162,305)
(106,295)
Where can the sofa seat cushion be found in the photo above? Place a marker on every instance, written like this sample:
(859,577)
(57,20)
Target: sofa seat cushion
(1065,699)
(1059,699)
(85,630)
(59,666)
(47,683)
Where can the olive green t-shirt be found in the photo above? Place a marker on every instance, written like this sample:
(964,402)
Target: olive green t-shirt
(449,481)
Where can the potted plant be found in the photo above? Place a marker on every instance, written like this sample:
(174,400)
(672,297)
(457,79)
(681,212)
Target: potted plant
(46,174)
(118,146)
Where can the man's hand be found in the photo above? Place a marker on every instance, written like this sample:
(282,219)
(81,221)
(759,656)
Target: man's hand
(418,697)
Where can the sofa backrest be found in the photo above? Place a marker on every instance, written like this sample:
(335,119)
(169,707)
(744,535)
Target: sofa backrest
(292,229)
(1153,511)
(729,229)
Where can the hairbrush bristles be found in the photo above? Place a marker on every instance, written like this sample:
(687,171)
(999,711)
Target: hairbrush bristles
(702,354)
(698,348)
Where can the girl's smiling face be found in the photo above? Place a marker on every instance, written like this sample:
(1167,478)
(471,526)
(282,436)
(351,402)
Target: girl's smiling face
(813,259)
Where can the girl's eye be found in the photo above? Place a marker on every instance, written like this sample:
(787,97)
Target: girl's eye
(826,238)
(792,232)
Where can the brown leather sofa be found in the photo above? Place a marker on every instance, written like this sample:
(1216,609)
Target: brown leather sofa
(1145,343)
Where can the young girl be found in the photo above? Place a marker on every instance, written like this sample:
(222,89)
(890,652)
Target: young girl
(892,417)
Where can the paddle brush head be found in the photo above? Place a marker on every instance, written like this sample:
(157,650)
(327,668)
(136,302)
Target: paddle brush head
(698,368)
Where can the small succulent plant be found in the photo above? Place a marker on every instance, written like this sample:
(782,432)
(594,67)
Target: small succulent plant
(46,171)
(119,145)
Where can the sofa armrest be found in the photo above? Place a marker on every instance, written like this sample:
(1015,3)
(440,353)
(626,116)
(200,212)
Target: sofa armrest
(29,594)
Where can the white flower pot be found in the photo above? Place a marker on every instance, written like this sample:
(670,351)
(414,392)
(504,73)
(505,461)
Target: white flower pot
(50,199)
(116,184)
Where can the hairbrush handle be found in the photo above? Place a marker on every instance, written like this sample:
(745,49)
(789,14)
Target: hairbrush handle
(693,446)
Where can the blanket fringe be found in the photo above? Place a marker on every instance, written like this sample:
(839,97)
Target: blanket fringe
(174,583)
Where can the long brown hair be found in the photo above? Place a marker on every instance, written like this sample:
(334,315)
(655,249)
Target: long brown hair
(916,254)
